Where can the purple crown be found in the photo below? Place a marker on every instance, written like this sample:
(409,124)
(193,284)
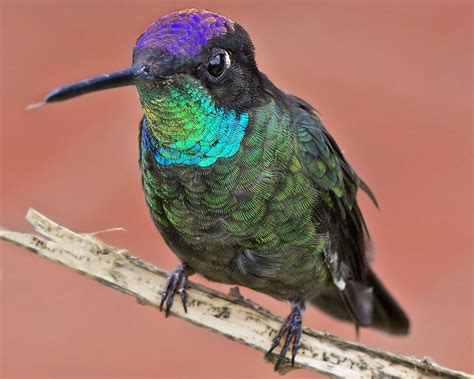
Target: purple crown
(184,32)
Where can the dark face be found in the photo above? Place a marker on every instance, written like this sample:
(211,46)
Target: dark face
(205,47)
(225,66)
(197,80)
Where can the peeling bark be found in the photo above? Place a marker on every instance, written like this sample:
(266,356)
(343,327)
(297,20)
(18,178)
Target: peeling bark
(230,315)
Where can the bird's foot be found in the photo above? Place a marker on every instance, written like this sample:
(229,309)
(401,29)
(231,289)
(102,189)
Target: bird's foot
(292,329)
(177,282)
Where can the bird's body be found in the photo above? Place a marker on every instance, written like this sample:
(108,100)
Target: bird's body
(248,219)
(243,181)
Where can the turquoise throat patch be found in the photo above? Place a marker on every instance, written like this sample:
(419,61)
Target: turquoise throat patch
(184,126)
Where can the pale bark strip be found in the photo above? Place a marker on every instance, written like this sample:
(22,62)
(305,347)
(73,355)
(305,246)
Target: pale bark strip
(238,319)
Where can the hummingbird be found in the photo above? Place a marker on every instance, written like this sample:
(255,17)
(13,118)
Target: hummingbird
(242,179)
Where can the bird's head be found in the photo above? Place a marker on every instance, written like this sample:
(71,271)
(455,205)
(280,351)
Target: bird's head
(196,76)
(200,50)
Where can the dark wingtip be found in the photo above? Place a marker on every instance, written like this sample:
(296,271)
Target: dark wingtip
(364,187)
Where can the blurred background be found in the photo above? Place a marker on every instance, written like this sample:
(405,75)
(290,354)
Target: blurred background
(393,82)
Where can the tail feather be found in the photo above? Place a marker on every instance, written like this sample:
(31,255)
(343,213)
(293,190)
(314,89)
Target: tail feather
(387,316)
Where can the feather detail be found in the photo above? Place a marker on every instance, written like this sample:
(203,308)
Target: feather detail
(257,264)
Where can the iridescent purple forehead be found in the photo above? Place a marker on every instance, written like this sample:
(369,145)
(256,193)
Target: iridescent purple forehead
(185,32)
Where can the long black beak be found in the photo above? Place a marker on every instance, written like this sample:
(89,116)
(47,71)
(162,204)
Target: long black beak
(115,79)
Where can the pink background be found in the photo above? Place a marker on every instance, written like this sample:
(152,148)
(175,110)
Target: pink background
(393,81)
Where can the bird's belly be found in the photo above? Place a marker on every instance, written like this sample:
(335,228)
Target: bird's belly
(212,241)
(211,218)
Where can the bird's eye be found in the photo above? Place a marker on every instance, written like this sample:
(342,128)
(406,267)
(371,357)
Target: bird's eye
(219,62)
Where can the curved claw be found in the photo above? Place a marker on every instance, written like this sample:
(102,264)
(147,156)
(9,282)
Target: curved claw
(292,329)
(182,293)
(177,282)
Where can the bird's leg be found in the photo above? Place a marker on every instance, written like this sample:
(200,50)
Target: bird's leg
(177,281)
(292,329)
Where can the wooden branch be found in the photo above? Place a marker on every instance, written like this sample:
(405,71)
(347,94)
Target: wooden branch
(231,316)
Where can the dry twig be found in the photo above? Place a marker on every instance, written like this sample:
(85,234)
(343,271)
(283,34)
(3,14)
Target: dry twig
(238,319)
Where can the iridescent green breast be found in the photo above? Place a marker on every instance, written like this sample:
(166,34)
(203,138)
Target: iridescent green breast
(258,199)
(184,126)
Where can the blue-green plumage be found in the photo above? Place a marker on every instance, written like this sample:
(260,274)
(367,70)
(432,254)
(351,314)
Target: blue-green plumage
(243,180)
(216,216)
(207,131)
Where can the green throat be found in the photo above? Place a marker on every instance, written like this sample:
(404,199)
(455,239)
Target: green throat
(185,126)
